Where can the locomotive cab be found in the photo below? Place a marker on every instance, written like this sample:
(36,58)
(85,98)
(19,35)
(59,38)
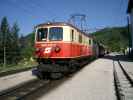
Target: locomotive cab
(51,41)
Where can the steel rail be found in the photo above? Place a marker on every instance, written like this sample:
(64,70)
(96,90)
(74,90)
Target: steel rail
(117,85)
(126,74)
(21,91)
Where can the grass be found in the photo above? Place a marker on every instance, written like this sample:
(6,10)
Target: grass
(22,65)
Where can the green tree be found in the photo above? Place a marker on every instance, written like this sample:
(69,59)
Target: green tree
(1,46)
(27,45)
(9,43)
(4,33)
(15,49)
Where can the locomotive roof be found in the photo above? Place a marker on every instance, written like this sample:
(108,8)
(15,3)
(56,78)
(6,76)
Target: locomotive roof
(62,24)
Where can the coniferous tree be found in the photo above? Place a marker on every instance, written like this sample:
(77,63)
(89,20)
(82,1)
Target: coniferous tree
(9,43)
(1,50)
(15,42)
(4,33)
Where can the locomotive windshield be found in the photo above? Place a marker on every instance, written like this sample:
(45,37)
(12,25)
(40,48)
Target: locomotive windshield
(42,34)
(55,33)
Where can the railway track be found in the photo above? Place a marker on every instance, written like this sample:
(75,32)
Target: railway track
(20,92)
(117,85)
(126,74)
(122,82)
(2,74)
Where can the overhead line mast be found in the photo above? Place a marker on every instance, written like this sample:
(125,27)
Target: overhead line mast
(78,20)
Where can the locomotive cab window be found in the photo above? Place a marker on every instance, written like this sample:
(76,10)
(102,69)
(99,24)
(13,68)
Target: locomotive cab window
(42,34)
(56,34)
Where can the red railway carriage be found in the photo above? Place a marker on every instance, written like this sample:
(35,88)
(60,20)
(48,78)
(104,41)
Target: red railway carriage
(61,44)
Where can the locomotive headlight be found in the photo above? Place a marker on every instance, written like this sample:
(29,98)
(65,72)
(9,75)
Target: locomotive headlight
(37,49)
(57,49)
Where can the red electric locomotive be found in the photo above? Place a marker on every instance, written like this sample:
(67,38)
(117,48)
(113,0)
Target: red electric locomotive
(60,48)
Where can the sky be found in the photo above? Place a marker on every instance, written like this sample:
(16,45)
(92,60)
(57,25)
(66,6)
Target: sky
(29,13)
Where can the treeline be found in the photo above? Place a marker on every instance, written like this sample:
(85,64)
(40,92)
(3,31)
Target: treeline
(12,47)
(115,38)
(27,46)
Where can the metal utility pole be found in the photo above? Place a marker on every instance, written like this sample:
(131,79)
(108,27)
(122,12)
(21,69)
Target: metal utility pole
(4,56)
(4,65)
(128,33)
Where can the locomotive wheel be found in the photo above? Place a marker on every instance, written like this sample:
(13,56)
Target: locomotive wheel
(56,75)
(43,75)
(72,66)
(40,76)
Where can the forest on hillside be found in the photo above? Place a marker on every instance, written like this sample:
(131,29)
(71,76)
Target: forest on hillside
(115,38)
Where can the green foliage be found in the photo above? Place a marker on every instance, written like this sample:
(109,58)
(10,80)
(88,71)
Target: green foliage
(116,38)
(27,46)
(18,51)
(10,41)
(15,41)
(4,33)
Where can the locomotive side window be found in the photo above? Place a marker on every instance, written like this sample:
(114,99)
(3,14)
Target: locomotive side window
(55,33)
(89,42)
(80,38)
(72,35)
(42,34)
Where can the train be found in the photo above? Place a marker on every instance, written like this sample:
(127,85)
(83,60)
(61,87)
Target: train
(61,48)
